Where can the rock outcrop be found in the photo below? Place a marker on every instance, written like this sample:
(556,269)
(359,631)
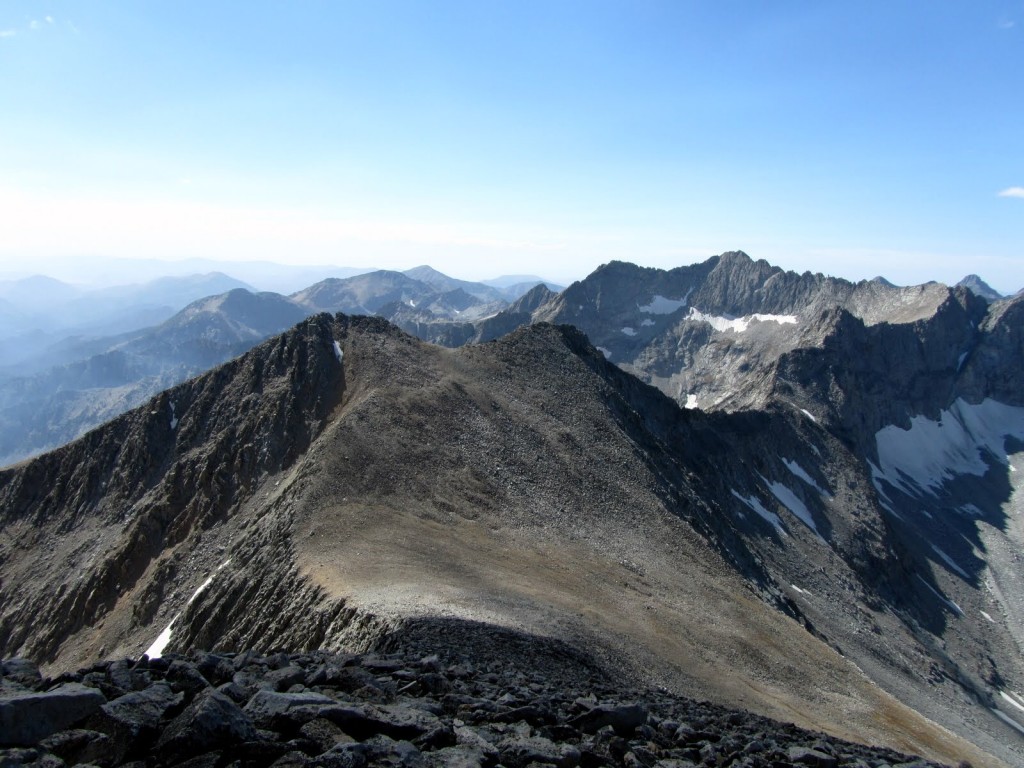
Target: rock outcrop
(497,699)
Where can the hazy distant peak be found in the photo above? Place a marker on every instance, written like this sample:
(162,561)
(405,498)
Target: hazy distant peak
(980,288)
(426,273)
(507,281)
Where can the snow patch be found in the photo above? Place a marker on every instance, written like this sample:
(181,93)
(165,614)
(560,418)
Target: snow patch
(646,322)
(791,502)
(797,470)
(1014,698)
(920,459)
(338,353)
(691,401)
(174,419)
(987,617)
(738,324)
(809,415)
(156,650)
(629,331)
(1008,720)
(883,497)
(605,352)
(800,591)
(960,361)
(950,562)
(756,506)
(945,600)
(662,306)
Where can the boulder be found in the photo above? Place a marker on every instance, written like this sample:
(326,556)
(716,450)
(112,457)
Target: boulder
(28,718)
(268,709)
(624,718)
(211,721)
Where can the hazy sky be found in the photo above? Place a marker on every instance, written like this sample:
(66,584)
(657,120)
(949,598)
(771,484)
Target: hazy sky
(491,137)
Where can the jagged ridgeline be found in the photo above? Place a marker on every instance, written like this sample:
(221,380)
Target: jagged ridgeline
(345,478)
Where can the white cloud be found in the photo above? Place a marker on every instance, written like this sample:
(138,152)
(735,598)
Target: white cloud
(8,32)
(1007,24)
(34,24)
(49,19)
(1012,192)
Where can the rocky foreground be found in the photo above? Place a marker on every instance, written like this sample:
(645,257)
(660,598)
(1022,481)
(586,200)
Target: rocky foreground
(504,701)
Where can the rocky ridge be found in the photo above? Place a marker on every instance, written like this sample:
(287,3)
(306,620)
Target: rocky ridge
(439,694)
(850,507)
(344,477)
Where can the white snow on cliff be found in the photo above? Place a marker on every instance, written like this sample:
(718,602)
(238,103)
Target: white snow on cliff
(738,324)
(755,505)
(920,459)
(799,471)
(156,650)
(663,306)
(793,503)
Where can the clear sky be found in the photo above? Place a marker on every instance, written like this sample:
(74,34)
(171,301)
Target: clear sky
(488,137)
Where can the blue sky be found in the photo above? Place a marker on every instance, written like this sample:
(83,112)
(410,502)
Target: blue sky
(484,138)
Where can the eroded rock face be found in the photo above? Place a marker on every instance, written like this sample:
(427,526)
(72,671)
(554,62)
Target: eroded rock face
(416,708)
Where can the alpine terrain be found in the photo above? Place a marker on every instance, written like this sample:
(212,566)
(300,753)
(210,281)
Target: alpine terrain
(784,494)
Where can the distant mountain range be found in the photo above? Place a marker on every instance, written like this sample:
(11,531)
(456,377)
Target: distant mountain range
(62,371)
(788,493)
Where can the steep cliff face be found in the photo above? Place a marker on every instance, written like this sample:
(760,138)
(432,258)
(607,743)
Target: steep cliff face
(91,525)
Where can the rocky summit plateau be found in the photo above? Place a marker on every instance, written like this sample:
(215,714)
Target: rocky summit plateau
(724,496)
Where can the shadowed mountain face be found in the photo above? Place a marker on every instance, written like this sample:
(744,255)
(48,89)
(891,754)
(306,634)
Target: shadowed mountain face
(343,478)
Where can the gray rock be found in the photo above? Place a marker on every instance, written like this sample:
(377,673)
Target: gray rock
(26,719)
(522,750)
(363,722)
(457,757)
(211,721)
(624,718)
(133,720)
(81,746)
(21,671)
(810,757)
(343,756)
(325,734)
(143,709)
(120,674)
(183,676)
(388,753)
(284,678)
(471,739)
(266,707)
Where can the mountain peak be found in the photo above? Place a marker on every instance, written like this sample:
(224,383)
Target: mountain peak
(426,273)
(980,288)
